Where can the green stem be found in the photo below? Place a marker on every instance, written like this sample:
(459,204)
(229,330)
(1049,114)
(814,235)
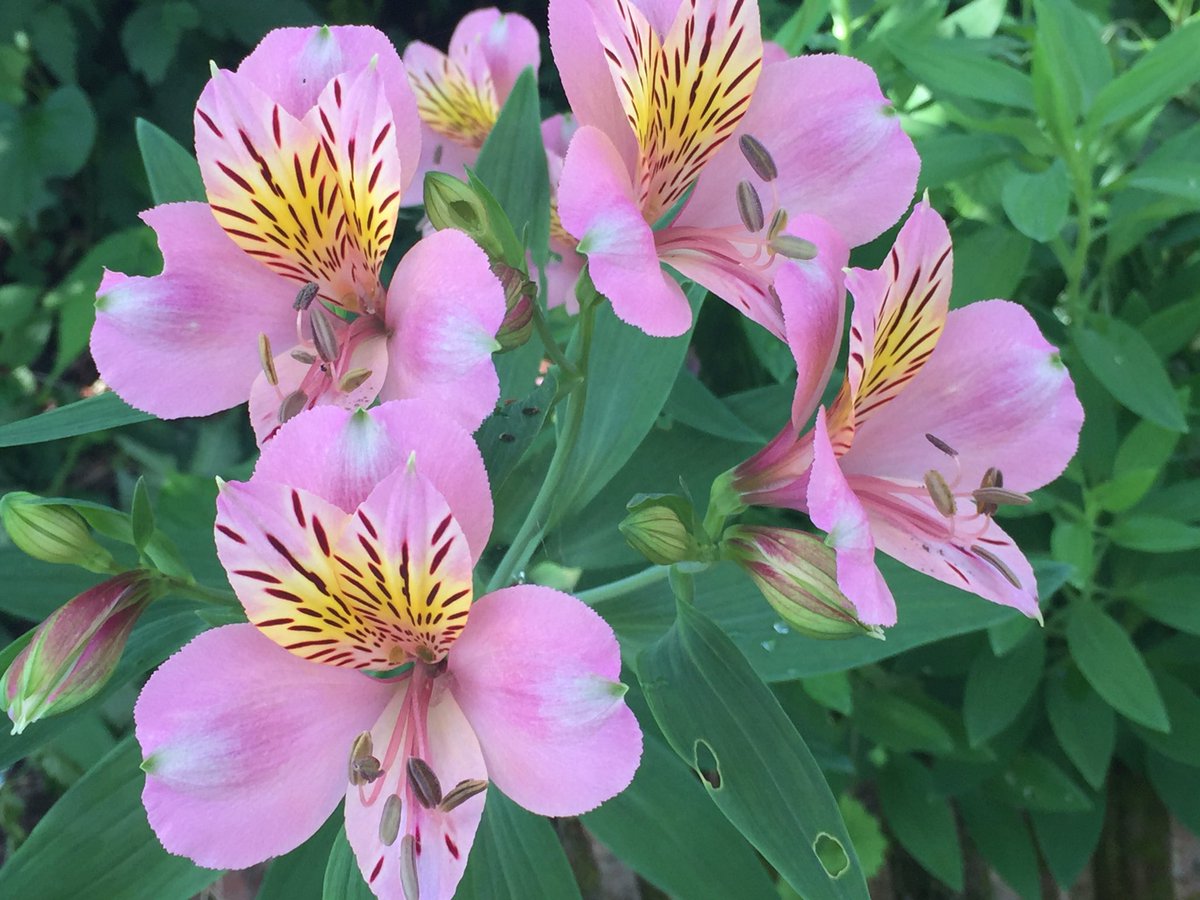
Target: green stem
(623,586)
(843,26)
(195,591)
(553,351)
(536,520)
(1081,182)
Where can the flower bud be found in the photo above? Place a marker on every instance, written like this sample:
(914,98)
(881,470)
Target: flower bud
(519,294)
(797,574)
(656,529)
(52,533)
(449,203)
(73,653)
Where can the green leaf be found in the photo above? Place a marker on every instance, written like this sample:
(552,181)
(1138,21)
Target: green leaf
(1000,834)
(998,688)
(141,516)
(299,875)
(866,835)
(97,413)
(1032,781)
(1178,786)
(95,842)
(172,171)
(343,880)
(151,35)
(1123,361)
(921,820)
(63,129)
(1068,840)
(1154,534)
(1076,54)
(1171,600)
(696,406)
(1074,543)
(1113,666)
(506,435)
(630,376)
(666,829)
(512,163)
(516,856)
(1004,636)
(1086,726)
(1170,68)
(1182,743)
(900,724)
(721,719)
(990,262)
(1036,203)
(961,68)
(54,38)
(801,25)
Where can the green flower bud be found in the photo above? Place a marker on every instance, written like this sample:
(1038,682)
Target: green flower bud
(52,533)
(449,203)
(797,574)
(655,528)
(73,653)
(519,294)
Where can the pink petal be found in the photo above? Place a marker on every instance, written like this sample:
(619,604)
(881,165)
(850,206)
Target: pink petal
(994,390)
(185,343)
(536,674)
(438,154)
(246,746)
(293,66)
(446,838)
(444,309)
(597,207)
(509,42)
(579,58)
(841,154)
(341,456)
(834,508)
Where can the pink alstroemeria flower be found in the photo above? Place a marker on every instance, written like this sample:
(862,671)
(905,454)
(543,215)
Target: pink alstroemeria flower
(271,291)
(671,95)
(351,548)
(460,93)
(936,406)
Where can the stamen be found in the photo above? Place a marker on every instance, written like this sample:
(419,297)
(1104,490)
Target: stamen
(998,496)
(267,359)
(941,445)
(996,563)
(323,336)
(749,206)
(305,296)
(424,782)
(759,158)
(993,477)
(408,868)
(461,793)
(364,767)
(303,356)
(353,379)
(940,493)
(793,247)
(389,820)
(293,404)
(778,223)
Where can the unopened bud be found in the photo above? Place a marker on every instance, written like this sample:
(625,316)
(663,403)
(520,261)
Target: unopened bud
(519,294)
(940,493)
(424,782)
(52,532)
(305,296)
(71,655)
(749,206)
(461,793)
(655,528)
(450,203)
(324,337)
(793,247)
(759,158)
(797,575)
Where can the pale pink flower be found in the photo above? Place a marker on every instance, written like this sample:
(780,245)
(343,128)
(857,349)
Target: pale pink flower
(936,405)
(352,550)
(305,152)
(671,94)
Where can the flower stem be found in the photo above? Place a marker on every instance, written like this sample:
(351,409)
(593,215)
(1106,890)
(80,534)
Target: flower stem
(195,591)
(623,586)
(553,351)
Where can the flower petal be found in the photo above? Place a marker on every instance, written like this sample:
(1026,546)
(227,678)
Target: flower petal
(246,746)
(445,838)
(509,42)
(596,205)
(994,390)
(444,309)
(834,508)
(185,343)
(536,674)
(341,456)
(455,94)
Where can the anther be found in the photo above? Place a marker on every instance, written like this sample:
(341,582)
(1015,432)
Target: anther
(305,296)
(293,404)
(778,223)
(759,158)
(389,820)
(364,767)
(992,478)
(324,337)
(408,868)
(792,247)
(424,782)
(998,496)
(939,491)
(303,356)
(461,793)
(941,445)
(267,359)
(353,379)
(749,206)
(996,563)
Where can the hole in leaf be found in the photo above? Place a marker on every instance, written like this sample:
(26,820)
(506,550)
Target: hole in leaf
(832,855)
(707,765)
